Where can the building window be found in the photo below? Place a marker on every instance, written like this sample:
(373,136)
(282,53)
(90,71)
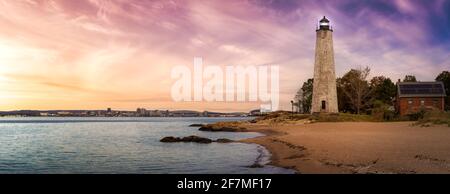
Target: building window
(435,102)
(422,102)
(410,103)
(323,104)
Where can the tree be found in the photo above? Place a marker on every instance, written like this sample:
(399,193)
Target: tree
(383,89)
(444,77)
(307,90)
(356,88)
(410,78)
(343,100)
(298,101)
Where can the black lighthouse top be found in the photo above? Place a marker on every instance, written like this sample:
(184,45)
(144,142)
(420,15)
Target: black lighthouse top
(324,24)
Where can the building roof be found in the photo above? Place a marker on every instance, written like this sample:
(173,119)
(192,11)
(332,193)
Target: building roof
(420,89)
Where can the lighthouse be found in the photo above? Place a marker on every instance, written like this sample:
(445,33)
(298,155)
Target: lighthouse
(324,97)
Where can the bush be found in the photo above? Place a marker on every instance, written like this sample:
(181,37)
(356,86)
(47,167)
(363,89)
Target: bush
(435,117)
(416,116)
(381,112)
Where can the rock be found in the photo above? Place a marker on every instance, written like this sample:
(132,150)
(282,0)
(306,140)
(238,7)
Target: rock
(224,140)
(213,128)
(191,138)
(253,121)
(196,125)
(196,139)
(256,165)
(206,128)
(170,139)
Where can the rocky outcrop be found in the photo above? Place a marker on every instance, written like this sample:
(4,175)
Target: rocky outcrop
(217,128)
(196,139)
(193,138)
(224,140)
(196,125)
(170,139)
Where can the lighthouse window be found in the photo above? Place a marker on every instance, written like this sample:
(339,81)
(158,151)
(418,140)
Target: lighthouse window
(323,105)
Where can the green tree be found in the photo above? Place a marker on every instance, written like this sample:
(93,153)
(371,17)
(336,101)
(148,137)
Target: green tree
(383,89)
(444,77)
(343,100)
(298,99)
(307,89)
(356,88)
(410,78)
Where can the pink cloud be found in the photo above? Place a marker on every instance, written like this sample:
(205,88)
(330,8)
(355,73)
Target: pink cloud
(129,46)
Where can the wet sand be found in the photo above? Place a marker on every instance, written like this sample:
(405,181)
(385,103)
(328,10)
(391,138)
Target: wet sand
(356,147)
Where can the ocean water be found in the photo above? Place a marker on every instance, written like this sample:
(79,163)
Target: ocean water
(123,145)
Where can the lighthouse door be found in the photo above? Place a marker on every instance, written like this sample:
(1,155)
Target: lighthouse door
(323,105)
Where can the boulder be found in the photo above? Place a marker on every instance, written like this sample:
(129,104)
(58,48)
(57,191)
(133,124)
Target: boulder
(170,139)
(253,121)
(196,139)
(196,125)
(224,140)
(256,165)
(191,138)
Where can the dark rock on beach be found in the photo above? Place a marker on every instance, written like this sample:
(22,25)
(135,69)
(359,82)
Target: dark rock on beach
(215,128)
(170,139)
(196,125)
(224,140)
(256,165)
(253,121)
(196,139)
(193,138)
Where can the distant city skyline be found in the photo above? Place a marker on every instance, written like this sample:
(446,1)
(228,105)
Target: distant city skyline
(94,54)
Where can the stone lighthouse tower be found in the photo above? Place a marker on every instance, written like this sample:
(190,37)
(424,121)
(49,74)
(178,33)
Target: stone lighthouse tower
(324,98)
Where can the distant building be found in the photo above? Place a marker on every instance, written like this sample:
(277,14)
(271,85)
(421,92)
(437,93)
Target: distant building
(185,113)
(155,113)
(142,112)
(416,96)
(64,113)
(109,112)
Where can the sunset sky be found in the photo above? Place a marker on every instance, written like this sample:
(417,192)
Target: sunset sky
(94,54)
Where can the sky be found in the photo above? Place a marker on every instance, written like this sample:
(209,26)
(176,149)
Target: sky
(95,54)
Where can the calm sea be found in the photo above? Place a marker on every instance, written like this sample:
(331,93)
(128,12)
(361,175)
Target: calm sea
(122,145)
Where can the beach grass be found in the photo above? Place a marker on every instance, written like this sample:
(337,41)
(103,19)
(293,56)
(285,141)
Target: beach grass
(342,117)
(284,116)
(434,117)
(425,118)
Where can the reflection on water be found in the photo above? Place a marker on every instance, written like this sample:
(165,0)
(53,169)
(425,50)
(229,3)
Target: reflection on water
(121,145)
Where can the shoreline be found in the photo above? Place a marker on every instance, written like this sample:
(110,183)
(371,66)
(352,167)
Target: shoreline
(268,134)
(354,147)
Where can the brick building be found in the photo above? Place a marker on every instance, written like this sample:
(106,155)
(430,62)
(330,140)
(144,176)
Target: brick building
(415,96)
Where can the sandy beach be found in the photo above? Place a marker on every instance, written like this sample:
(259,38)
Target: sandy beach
(356,147)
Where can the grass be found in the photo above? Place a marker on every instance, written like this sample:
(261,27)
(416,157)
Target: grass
(434,117)
(284,116)
(425,119)
(342,117)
